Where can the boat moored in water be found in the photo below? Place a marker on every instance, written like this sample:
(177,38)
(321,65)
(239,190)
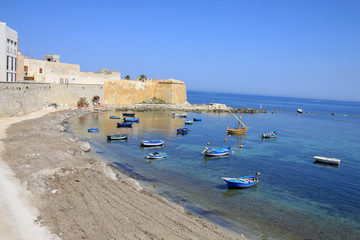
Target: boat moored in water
(125,124)
(152,142)
(131,119)
(117,136)
(129,114)
(299,110)
(93,130)
(327,160)
(179,115)
(242,182)
(114,117)
(156,155)
(182,130)
(196,119)
(270,135)
(216,152)
(189,122)
(241,127)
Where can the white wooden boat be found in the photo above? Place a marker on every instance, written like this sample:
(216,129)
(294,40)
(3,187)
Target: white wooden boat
(299,110)
(327,160)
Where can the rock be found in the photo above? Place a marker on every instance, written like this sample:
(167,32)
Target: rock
(85,146)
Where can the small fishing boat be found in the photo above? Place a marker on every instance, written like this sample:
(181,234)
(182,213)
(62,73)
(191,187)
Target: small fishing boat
(125,124)
(241,127)
(117,136)
(327,160)
(196,119)
(189,122)
(93,130)
(299,110)
(156,155)
(114,117)
(242,182)
(152,142)
(216,152)
(270,135)
(179,115)
(131,119)
(182,130)
(129,114)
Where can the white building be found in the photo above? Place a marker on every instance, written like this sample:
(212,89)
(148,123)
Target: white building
(8,53)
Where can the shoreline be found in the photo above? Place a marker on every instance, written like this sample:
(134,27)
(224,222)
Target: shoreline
(74,193)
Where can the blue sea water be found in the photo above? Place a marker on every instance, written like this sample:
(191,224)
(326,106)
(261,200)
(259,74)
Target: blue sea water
(295,199)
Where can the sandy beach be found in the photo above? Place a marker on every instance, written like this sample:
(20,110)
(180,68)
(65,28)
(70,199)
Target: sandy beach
(50,189)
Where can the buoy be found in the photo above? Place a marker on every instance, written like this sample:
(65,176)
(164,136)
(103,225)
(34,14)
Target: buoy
(208,143)
(241,146)
(224,140)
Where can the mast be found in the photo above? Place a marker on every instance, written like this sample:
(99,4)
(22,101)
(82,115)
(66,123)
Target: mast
(237,118)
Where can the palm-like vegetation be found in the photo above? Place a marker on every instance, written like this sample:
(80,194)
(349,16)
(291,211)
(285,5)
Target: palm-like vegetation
(127,77)
(143,77)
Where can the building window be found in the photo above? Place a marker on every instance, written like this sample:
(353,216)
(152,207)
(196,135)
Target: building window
(40,70)
(8,45)
(7,63)
(12,63)
(14,77)
(15,63)
(26,68)
(15,47)
(11,46)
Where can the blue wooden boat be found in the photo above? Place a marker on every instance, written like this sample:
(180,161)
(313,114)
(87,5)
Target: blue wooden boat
(182,130)
(114,117)
(93,130)
(241,182)
(125,124)
(117,136)
(270,135)
(151,143)
(129,114)
(189,122)
(156,155)
(216,152)
(196,119)
(131,119)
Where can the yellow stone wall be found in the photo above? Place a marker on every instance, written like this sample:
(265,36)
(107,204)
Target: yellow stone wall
(124,92)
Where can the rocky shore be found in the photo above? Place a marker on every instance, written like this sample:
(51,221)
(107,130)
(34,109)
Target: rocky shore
(212,107)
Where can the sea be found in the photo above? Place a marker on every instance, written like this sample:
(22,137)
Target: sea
(296,197)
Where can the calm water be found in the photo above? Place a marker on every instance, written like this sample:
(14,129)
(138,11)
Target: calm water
(295,199)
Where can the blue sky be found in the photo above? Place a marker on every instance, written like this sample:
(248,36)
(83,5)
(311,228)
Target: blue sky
(297,48)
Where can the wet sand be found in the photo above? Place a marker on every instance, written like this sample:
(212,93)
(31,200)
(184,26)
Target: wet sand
(50,189)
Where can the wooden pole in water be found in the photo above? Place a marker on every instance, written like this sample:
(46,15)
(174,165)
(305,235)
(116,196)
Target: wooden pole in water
(236,117)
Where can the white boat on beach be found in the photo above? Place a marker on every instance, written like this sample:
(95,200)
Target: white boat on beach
(327,160)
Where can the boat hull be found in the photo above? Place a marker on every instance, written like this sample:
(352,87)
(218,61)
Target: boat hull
(125,124)
(93,130)
(217,152)
(241,182)
(129,114)
(269,135)
(131,119)
(117,137)
(152,143)
(156,155)
(327,160)
(182,130)
(114,117)
(236,130)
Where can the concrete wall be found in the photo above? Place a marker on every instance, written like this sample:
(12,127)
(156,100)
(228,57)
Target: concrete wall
(97,77)
(124,92)
(21,98)
(69,94)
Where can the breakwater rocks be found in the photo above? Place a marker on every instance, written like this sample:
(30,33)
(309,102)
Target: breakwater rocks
(212,107)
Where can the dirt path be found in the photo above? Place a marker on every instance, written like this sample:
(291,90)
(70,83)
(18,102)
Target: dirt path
(80,197)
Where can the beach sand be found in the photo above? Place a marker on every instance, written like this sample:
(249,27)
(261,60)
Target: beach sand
(50,189)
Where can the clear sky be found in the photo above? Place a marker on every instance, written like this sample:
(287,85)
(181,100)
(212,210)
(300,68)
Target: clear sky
(296,48)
